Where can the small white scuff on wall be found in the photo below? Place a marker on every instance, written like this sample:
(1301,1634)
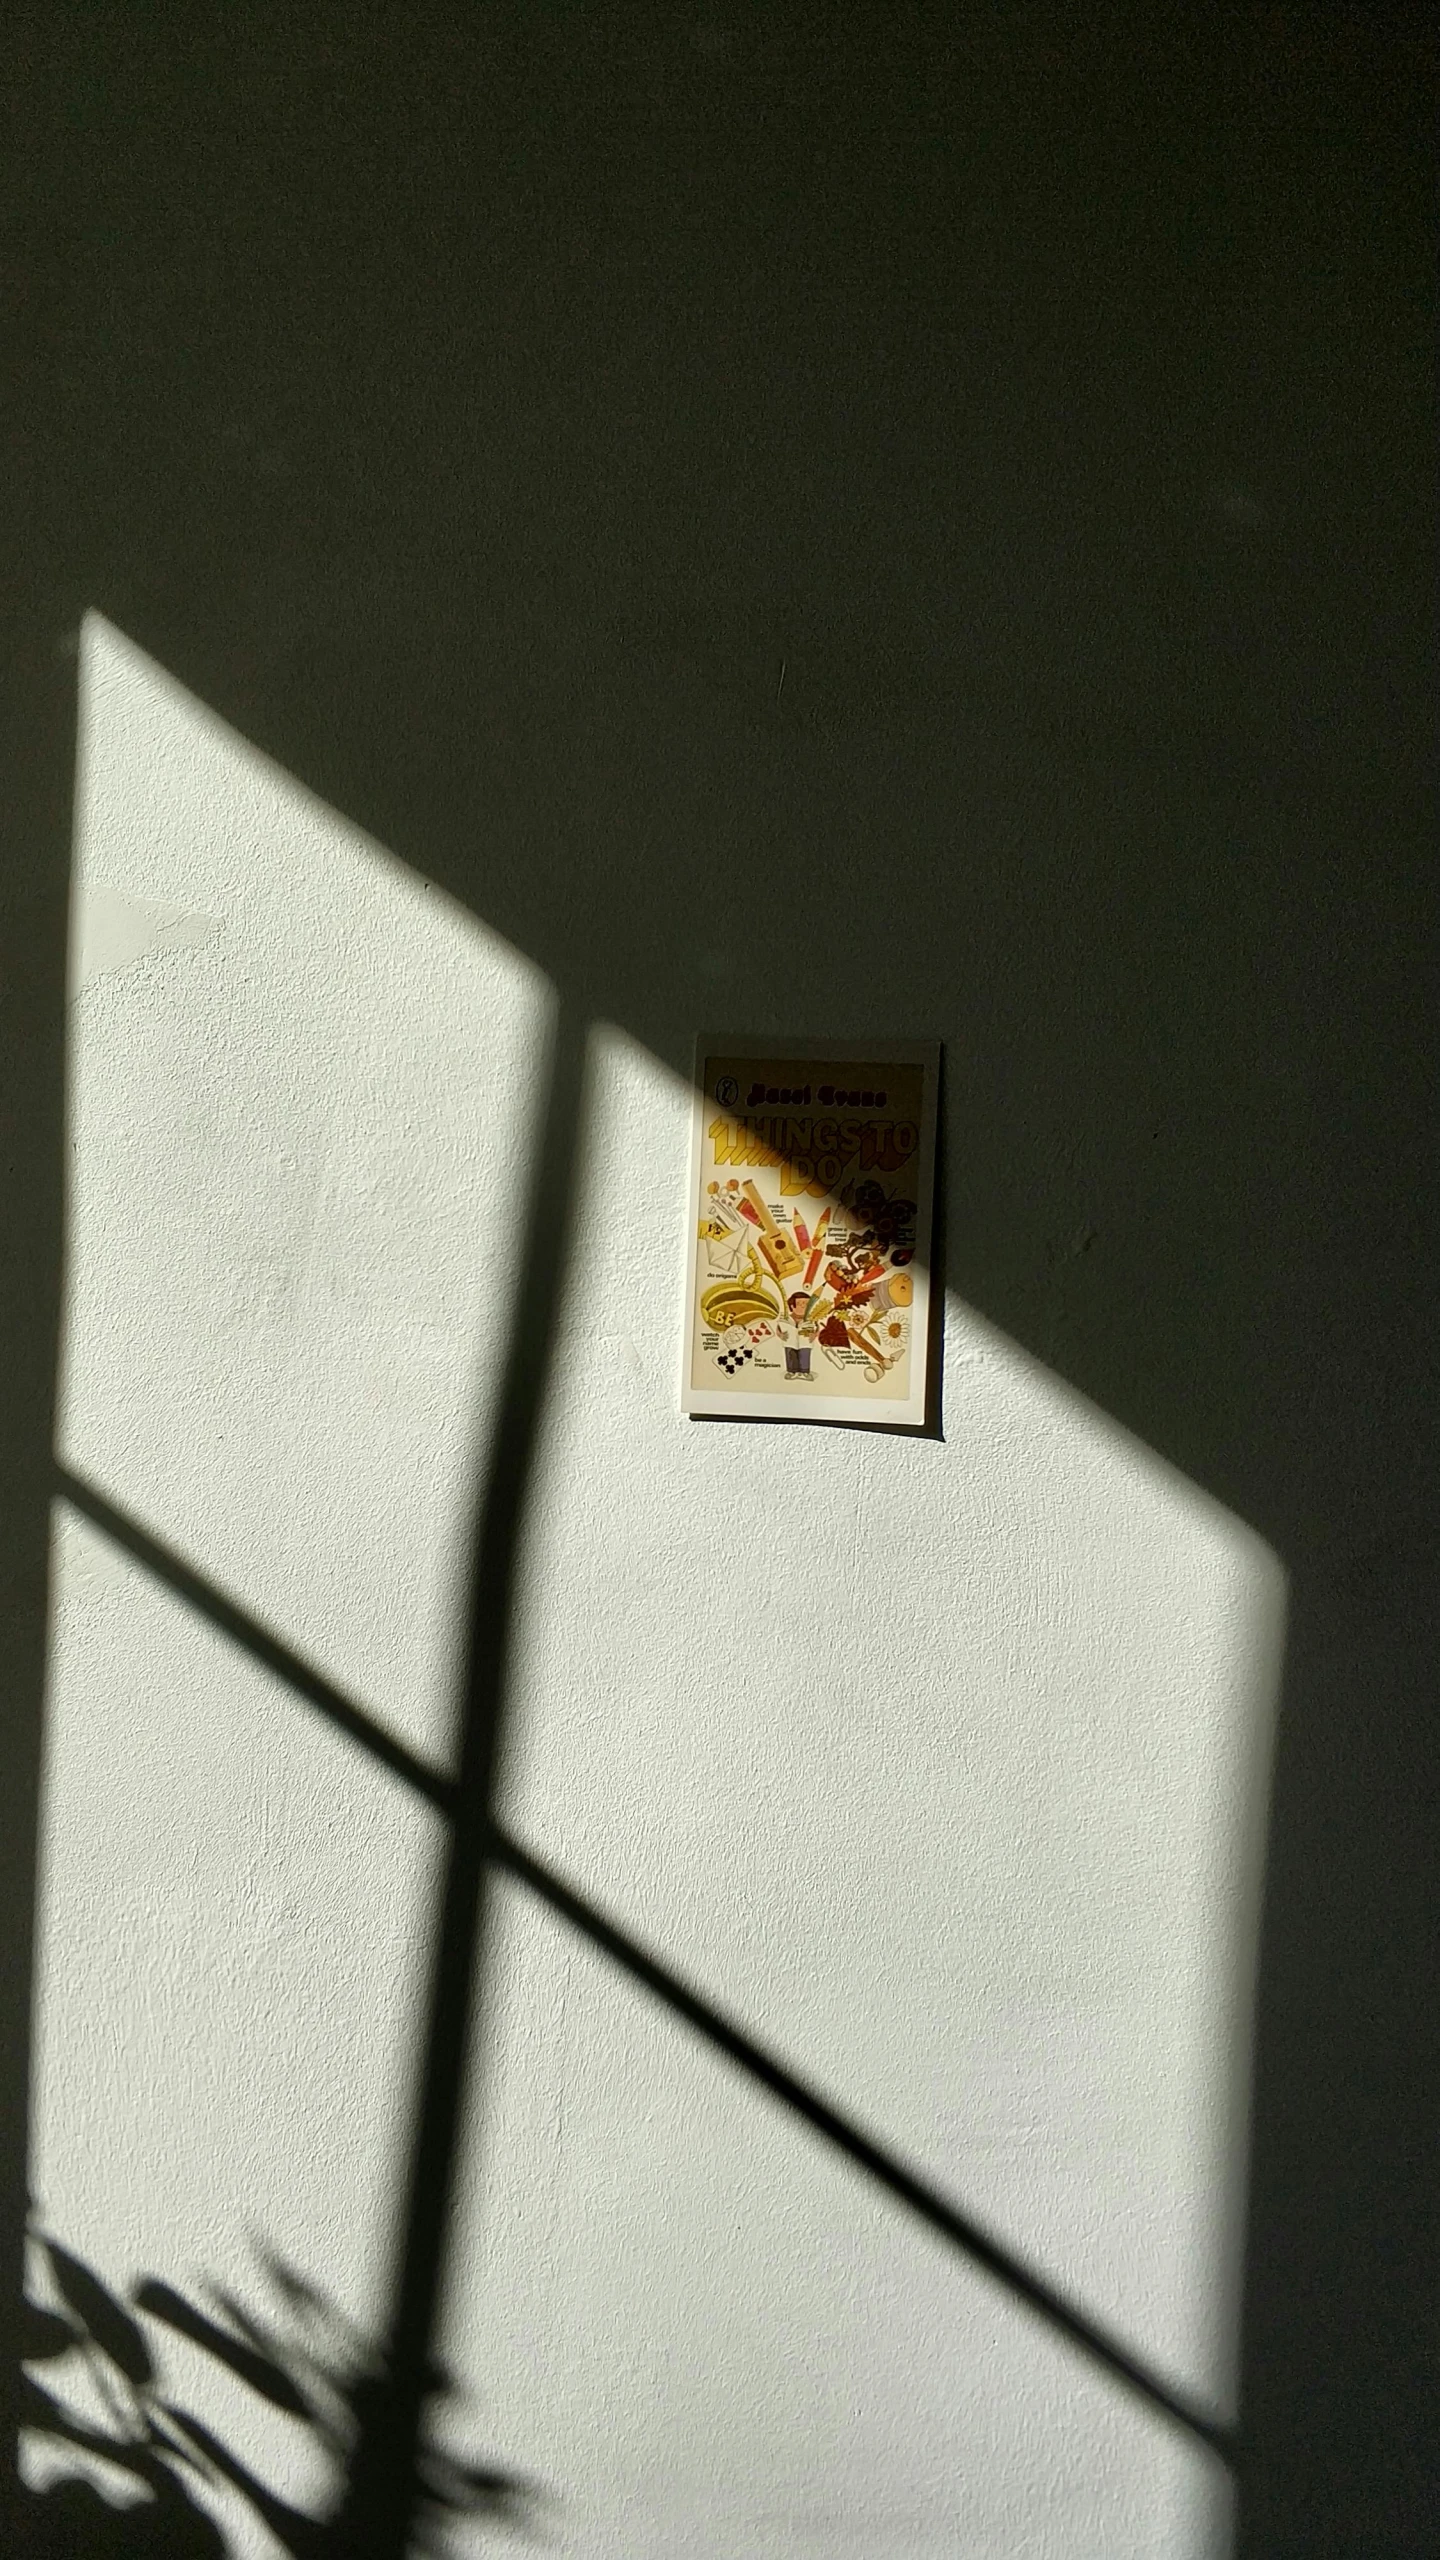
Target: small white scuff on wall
(109,932)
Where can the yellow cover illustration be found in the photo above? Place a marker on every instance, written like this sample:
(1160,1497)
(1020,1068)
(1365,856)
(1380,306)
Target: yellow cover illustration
(808,1270)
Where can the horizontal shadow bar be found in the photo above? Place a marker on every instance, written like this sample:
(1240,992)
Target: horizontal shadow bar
(910,2190)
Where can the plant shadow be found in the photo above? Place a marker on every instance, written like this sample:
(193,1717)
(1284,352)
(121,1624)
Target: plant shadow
(116,2465)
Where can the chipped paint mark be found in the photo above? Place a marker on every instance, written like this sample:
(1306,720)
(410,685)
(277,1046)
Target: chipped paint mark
(109,932)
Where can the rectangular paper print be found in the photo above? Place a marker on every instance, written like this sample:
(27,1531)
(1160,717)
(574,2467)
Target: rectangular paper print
(812,1181)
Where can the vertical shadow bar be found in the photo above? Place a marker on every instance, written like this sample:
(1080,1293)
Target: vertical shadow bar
(1342,2305)
(373,2519)
(37,754)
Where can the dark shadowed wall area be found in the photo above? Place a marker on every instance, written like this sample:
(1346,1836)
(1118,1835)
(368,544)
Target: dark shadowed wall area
(932,510)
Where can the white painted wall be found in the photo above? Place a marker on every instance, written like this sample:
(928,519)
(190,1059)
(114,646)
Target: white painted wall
(941,1765)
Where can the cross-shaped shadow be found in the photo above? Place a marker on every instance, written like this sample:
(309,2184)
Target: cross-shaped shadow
(856,517)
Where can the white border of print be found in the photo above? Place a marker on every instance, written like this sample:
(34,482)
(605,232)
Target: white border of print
(713,1404)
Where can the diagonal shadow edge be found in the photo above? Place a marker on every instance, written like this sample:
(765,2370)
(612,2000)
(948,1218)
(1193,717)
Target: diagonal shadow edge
(382,2476)
(925,2200)
(259,1641)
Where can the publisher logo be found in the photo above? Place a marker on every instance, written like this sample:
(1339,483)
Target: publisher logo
(727,1093)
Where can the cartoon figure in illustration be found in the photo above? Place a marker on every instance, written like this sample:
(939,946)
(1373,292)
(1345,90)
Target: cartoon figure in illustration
(797,1354)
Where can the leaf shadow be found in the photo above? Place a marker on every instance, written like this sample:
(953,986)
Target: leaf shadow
(116,2466)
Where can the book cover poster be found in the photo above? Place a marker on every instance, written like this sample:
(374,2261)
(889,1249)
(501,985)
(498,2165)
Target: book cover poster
(812,1176)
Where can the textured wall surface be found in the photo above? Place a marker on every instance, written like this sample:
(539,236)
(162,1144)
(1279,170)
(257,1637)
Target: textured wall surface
(941,1763)
(915,518)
